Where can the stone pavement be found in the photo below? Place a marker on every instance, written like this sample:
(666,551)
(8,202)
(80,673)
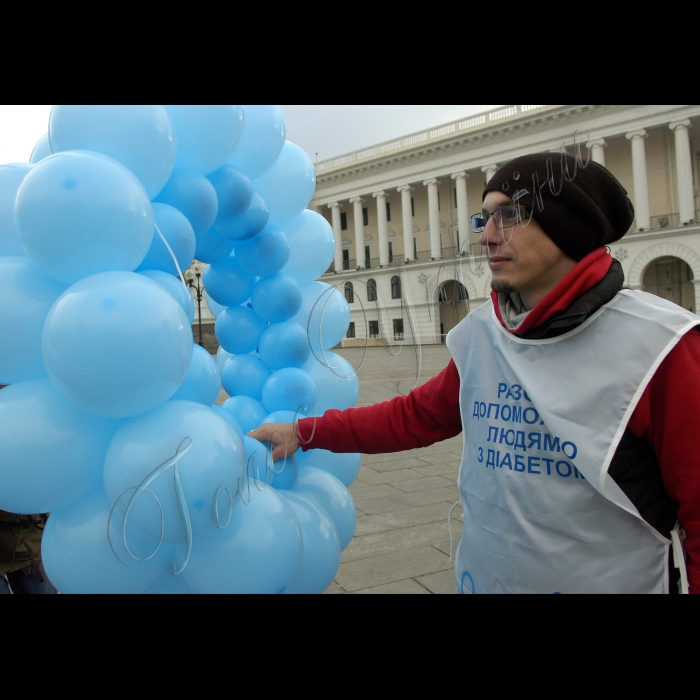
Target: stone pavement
(402,542)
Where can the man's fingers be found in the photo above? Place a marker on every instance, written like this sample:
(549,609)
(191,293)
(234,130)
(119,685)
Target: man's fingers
(279,453)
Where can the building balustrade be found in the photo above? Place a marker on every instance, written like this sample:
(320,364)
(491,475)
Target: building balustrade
(665,221)
(461,125)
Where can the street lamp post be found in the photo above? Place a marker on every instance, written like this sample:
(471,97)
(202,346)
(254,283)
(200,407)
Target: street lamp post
(194,282)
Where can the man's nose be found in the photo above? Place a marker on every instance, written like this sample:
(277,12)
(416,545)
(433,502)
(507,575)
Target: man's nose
(490,235)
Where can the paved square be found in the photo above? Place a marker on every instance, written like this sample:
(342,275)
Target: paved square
(402,541)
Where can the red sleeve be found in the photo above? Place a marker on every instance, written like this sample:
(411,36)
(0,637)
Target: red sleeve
(668,416)
(429,414)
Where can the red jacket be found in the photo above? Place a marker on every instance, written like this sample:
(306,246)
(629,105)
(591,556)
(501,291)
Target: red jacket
(667,416)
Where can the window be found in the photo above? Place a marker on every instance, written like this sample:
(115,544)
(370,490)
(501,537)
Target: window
(368,257)
(346,260)
(372,290)
(413,207)
(415,249)
(343,221)
(398,329)
(391,252)
(374,329)
(351,330)
(396,287)
(349,293)
(365,217)
(388,211)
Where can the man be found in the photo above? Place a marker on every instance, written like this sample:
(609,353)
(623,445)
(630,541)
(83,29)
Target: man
(578,401)
(21,571)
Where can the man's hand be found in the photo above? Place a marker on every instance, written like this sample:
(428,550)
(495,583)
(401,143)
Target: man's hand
(281,437)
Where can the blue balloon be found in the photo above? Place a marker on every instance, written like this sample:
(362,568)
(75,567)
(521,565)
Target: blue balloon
(203,381)
(264,255)
(284,345)
(176,289)
(239,330)
(11,177)
(234,191)
(79,214)
(258,553)
(276,298)
(311,247)
(41,150)
(324,315)
(117,344)
(248,224)
(289,390)
(344,467)
(216,309)
(194,196)
(212,247)
(285,473)
(260,465)
(207,135)
(284,417)
(80,557)
(245,375)
(264,134)
(228,417)
(222,357)
(336,381)
(227,283)
(139,136)
(322,488)
(248,412)
(52,453)
(167,584)
(177,231)
(288,187)
(24,305)
(321,558)
(146,451)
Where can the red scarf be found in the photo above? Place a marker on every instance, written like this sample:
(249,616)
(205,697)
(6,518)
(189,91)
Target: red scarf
(589,272)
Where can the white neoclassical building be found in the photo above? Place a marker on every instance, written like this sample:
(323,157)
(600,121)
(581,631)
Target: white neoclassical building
(400,210)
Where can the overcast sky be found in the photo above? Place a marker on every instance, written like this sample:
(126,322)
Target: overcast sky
(328,130)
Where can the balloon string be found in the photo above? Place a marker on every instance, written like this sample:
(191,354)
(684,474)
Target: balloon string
(177,266)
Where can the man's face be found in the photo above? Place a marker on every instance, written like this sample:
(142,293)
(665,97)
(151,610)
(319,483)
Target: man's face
(530,263)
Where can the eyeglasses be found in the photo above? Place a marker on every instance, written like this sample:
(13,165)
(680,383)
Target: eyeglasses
(504,218)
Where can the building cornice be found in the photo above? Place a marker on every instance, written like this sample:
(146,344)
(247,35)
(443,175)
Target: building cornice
(525,122)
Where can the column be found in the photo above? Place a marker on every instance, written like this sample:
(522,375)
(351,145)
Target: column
(337,232)
(641,184)
(383,229)
(357,203)
(686,195)
(490,171)
(407,213)
(598,151)
(462,209)
(434,217)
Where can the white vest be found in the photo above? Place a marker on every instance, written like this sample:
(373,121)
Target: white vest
(542,420)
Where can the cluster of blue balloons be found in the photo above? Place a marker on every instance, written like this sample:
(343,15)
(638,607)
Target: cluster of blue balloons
(109,421)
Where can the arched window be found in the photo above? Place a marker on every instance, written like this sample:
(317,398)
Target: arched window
(396,287)
(349,293)
(372,290)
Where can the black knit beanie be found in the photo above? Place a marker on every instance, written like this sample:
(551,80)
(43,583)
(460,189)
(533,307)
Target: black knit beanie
(579,208)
